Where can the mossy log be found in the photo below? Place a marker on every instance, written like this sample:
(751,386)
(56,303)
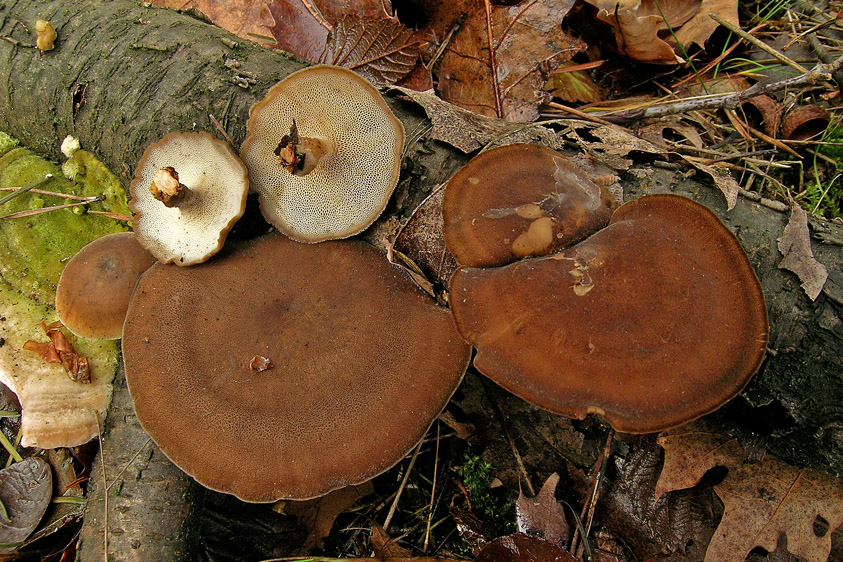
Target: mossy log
(123,74)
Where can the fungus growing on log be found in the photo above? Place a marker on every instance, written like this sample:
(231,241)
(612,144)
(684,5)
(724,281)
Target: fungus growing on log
(324,154)
(93,292)
(359,362)
(651,322)
(189,190)
(519,200)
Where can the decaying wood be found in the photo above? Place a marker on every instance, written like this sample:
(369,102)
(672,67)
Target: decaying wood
(146,71)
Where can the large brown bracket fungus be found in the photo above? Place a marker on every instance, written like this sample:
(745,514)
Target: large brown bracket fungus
(324,154)
(519,200)
(189,190)
(286,370)
(651,322)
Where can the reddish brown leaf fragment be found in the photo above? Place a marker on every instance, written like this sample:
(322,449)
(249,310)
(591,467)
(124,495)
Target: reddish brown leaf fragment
(382,50)
(542,515)
(795,246)
(60,350)
(385,546)
(522,548)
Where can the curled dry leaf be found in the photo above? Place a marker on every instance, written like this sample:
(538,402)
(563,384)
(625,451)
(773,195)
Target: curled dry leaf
(795,246)
(59,350)
(25,490)
(762,500)
(805,122)
(642,28)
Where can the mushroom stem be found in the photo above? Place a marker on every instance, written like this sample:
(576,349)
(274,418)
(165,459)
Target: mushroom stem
(300,155)
(165,187)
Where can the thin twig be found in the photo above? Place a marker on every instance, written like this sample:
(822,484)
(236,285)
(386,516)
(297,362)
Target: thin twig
(432,490)
(128,464)
(496,87)
(24,189)
(820,73)
(403,485)
(105,492)
(31,212)
(222,132)
(499,415)
(784,59)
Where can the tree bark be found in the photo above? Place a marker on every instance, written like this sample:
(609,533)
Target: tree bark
(147,71)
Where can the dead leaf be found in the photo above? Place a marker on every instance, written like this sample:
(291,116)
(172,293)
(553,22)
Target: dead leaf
(498,66)
(519,547)
(301,27)
(245,19)
(542,515)
(572,86)
(724,181)
(762,500)
(468,131)
(26,488)
(795,246)
(381,50)
(642,27)
(385,546)
(318,515)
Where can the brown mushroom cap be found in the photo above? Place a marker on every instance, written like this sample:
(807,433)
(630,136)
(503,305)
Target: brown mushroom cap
(349,188)
(193,230)
(286,370)
(520,200)
(651,322)
(93,292)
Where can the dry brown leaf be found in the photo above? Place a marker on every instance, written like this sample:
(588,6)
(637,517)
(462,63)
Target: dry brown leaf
(542,515)
(301,27)
(722,179)
(522,548)
(795,246)
(507,80)
(381,50)
(244,18)
(318,515)
(762,500)
(576,86)
(641,27)
(385,546)
(469,131)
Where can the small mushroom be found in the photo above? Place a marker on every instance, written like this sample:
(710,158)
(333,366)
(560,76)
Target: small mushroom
(94,289)
(324,154)
(189,190)
(651,322)
(286,370)
(519,200)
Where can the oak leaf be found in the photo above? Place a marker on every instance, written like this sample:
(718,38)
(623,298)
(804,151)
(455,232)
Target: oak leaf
(542,515)
(762,500)
(246,18)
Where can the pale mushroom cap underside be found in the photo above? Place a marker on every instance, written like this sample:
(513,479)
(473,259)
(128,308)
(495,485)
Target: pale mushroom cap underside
(194,230)
(350,187)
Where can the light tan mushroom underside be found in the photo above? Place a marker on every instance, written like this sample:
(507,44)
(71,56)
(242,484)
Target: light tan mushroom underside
(347,191)
(653,321)
(363,363)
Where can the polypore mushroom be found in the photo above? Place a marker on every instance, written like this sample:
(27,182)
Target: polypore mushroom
(651,322)
(93,292)
(286,370)
(189,190)
(519,200)
(324,154)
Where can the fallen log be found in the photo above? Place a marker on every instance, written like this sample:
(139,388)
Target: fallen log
(123,74)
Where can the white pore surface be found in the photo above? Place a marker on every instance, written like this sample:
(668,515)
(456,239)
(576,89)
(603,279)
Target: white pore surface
(347,191)
(196,229)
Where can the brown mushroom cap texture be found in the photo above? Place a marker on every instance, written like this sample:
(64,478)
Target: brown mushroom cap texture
(195,229)
(653,321)
(362,362)
(520,200)
(348,189)
(95,286)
